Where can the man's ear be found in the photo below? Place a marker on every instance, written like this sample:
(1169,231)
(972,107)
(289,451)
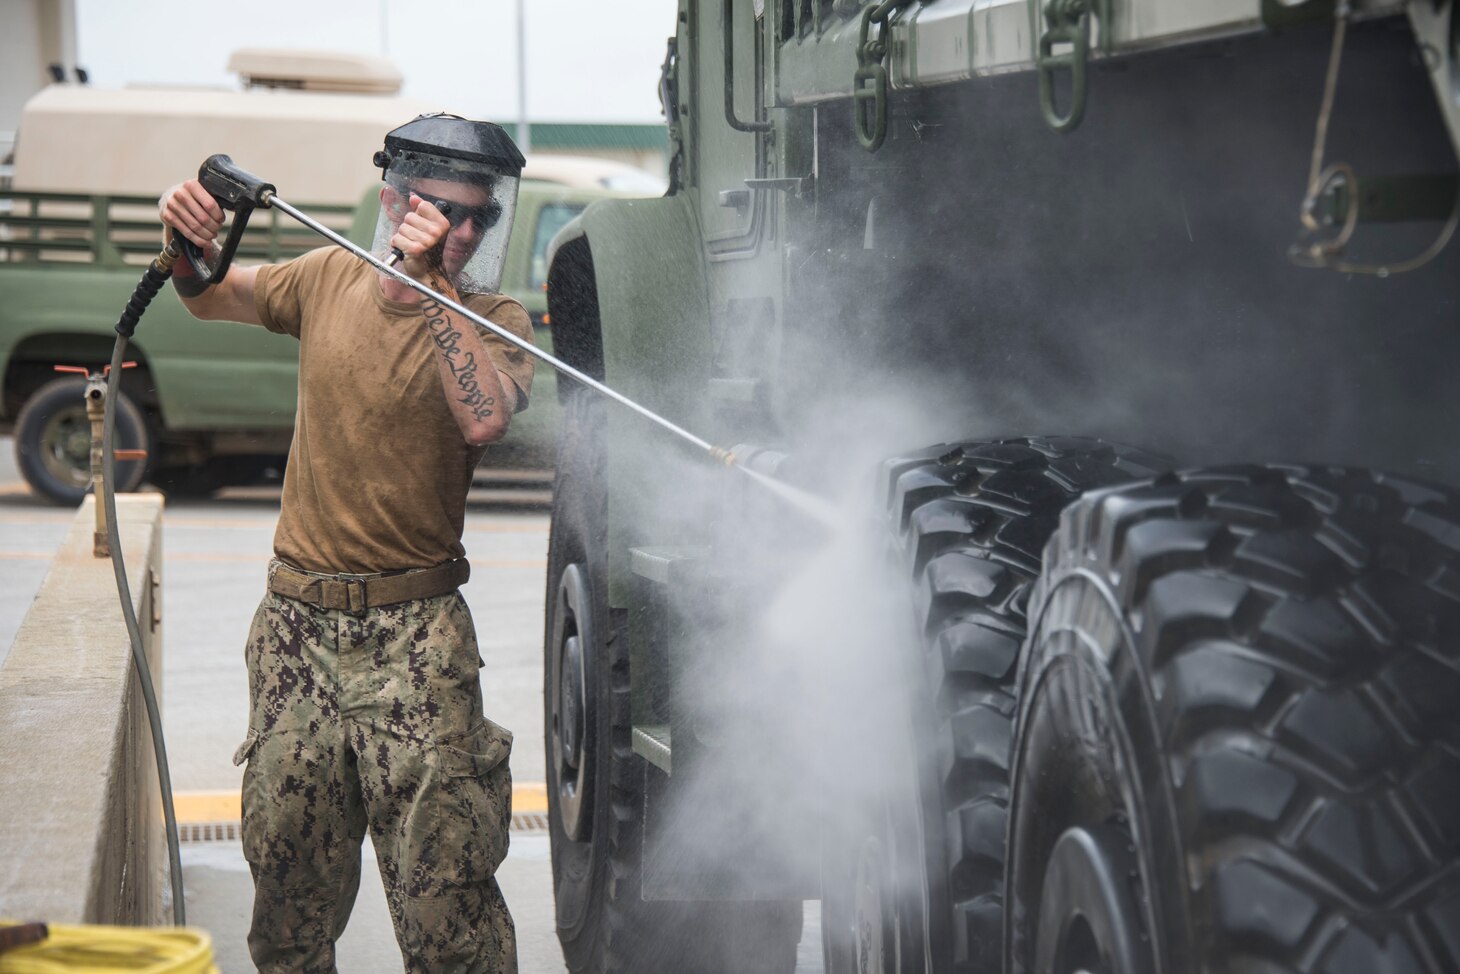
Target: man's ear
(391,199)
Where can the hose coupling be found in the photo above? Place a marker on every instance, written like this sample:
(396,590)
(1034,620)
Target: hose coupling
(168,257)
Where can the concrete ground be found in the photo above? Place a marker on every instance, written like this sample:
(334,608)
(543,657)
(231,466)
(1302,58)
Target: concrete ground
(215,552)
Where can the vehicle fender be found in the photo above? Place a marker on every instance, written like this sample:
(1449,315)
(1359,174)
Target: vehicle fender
(629,301)
(56,318)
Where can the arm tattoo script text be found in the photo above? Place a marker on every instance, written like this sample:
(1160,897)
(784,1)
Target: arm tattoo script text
(463,366)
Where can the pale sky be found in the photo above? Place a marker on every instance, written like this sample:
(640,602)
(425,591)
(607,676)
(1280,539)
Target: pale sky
(588,60)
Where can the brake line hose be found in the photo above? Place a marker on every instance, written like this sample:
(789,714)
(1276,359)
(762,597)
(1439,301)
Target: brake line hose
(152,281)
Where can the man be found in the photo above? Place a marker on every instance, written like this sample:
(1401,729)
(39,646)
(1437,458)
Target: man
(365,701)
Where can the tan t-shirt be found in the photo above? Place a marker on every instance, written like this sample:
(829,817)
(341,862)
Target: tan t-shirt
(378,470)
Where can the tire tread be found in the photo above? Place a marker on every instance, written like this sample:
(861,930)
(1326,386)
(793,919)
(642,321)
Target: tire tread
(970,522)
(1306,685)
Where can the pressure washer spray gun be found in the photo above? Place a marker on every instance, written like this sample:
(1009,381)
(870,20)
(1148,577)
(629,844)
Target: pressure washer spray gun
(242,193)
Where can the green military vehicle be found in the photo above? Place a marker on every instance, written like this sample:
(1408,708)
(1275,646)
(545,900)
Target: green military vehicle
(1152,312)
(211,403)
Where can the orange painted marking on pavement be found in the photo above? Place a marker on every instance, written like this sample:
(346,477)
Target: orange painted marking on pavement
(207,806)
(507,529)
(529,796)
(196,807)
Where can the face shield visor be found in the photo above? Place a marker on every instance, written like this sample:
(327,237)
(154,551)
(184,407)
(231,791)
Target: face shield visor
(471,171)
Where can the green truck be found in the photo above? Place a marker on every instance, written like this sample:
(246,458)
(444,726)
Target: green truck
(1135,325)
(212,403)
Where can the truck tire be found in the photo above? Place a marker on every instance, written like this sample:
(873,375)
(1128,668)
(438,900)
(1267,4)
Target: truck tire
(53,442)
(595,783)
(1236,744)
(968,523)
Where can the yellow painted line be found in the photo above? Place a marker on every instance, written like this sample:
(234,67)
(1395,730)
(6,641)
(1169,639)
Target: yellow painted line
(196,807)
(529,796)
(506,529)
(206,806)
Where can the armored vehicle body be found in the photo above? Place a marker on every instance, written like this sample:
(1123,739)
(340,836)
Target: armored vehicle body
(1150,310)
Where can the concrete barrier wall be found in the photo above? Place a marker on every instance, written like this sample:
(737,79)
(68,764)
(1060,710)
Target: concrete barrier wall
(81,835)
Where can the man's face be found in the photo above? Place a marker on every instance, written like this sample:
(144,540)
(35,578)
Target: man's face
(470,215)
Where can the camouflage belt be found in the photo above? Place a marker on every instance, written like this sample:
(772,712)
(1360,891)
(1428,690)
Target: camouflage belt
(356,593)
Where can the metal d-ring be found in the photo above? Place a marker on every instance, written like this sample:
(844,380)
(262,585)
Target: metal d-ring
(1063,22)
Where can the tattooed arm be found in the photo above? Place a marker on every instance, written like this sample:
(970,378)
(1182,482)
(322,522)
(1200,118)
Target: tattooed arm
(482,399)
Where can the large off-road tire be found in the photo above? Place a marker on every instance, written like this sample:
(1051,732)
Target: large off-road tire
(53,442)
(595,783)
(1237,744)
(968,523)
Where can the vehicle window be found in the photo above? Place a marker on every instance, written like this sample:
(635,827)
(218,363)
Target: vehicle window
(552,218)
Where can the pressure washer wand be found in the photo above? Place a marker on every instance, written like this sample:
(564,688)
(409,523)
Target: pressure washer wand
(718,453)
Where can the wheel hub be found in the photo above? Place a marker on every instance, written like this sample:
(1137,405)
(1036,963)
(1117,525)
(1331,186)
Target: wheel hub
(78,445)
(1089,919)
(571,696)
(570,702)
(67,452)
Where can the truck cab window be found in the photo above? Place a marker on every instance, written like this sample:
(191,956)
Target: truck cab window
(552,218)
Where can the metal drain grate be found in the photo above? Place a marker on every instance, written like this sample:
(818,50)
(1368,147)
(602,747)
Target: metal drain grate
(529,822)
(228,831)
(208,832)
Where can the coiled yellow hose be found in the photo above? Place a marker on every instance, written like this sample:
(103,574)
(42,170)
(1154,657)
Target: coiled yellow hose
(106,950)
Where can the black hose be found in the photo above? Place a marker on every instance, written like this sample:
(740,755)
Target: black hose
(157,274)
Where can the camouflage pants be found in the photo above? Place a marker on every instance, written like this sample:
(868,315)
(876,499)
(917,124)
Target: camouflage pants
(374,721)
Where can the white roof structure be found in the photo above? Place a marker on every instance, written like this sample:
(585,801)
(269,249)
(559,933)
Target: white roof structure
(363,74)
(315,146)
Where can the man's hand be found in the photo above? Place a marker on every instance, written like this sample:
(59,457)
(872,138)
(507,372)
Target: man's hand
(192,211)
(420,237)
